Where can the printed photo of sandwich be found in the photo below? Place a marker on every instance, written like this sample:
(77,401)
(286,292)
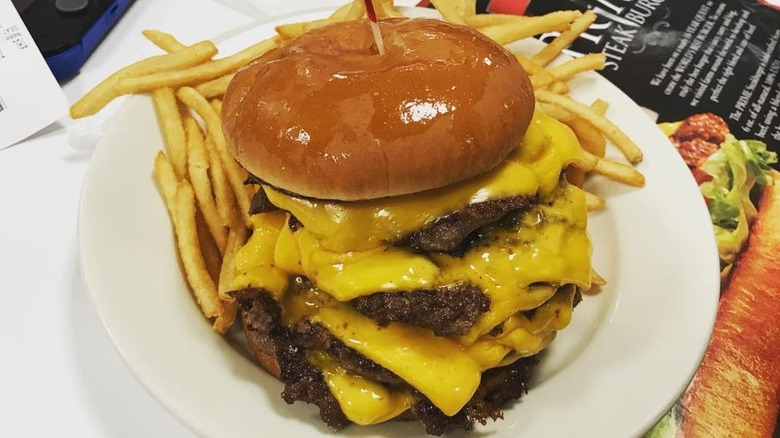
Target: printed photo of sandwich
(735,392)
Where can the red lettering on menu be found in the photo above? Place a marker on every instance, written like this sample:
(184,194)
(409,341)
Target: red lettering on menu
(515,7)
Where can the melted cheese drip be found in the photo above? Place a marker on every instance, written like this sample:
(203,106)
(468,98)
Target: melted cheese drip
(534,168)
(343,248)
(362,400)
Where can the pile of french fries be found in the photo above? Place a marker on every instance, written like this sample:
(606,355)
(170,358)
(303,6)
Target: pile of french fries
(203,186)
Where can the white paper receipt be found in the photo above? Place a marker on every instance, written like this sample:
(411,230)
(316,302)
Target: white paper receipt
(30,97)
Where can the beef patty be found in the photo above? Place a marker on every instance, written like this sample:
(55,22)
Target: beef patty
(447,310)
(266,336)
(447,232)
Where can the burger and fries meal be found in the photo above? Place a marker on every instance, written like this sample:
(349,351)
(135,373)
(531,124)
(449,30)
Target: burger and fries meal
(400,233)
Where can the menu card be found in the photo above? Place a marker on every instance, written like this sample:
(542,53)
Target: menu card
(30,97)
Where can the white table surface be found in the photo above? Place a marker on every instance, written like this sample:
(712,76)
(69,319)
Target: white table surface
(59,374)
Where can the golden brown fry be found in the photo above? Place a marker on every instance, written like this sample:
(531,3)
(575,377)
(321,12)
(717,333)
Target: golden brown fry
(600,106)
(567,70)
(448,10)
(166,180)
(169,117)
(627,146)
(386,9)
(465,8)
(197,74)
(559,87)
(226,317)
(293,30)
(508,33)
(208,247)
(622,173)
(236,175)
(109,89)
(552,50)
(163,40)
(216,105)
(591,139)
(236,240)
(594,202)
(200,281)
(468,8)
(540,78)
(485,20)
(223,193)
(356,11)
(215,87)
(198,172)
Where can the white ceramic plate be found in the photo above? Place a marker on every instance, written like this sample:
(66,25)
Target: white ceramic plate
(629,353)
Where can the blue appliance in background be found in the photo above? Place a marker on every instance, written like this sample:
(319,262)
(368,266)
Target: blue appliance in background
(68,31)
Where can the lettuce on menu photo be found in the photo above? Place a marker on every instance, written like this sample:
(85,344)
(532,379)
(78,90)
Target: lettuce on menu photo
(727,170)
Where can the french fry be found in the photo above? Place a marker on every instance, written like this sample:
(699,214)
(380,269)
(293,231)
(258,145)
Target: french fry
(540,78)
(208,247)
(591,139)
(594,202)
(223,192)
(236,175)
(166,180)
(465,8)
(387,10)
(484,20)
(556,46)
(591,61)
(236,240)
(106,91)
(163,40)
(619,172)
(226,317)
(508,33)
(215,87)
(448,10)
(198,173)
(627,146)
(203,287)
(293,30)
(216,105)
(169,117)
(194,75)
(180,200)
(600,106)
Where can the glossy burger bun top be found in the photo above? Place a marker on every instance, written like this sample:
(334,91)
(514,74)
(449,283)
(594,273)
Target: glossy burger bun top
(325,116)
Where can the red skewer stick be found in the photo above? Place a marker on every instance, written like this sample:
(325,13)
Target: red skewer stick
(371,12)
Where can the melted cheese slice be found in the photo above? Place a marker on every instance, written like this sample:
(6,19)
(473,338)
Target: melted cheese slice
(346,276)
(534,168)
(362,400)
(437,367)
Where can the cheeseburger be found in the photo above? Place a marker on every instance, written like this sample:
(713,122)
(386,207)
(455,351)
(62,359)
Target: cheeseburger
(415,243)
